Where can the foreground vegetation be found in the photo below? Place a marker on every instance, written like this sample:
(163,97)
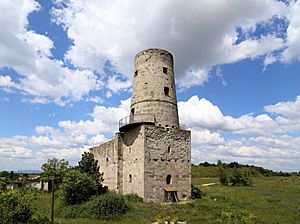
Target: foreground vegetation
(271,199)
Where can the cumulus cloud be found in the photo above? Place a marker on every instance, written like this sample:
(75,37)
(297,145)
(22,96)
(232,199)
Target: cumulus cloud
(6,81)
(29,55)
(292,52)
(288,109)
(262,140)
(202,113)
(259,140)
(67,141)
(192,32)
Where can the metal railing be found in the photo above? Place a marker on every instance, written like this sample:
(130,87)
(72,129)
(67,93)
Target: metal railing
(137,118)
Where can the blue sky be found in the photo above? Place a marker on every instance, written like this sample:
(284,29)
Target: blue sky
(66,72)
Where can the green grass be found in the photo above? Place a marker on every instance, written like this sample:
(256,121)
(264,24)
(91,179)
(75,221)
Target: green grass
(270,200)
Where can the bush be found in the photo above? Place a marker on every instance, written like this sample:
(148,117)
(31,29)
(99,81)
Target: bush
(223,177)
(107,206)
(240,178)
(236,217)
(2,186)
(196,192)
(15,207)
(133,198)
(77,187)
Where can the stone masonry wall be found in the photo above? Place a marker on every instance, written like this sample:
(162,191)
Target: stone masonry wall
(153,89)
(167,152)
(107,157)
(132,147)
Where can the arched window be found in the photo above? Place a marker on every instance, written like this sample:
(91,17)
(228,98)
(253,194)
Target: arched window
(130,178)
(169,179)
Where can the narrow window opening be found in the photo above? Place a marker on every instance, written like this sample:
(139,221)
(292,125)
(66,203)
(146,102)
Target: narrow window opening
(132,111)
(167,91)
(169,179)
(107,159)
(169,149)
(130,178)
(136,73)
(165,70)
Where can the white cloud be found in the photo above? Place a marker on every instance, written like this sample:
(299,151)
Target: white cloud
(293,34)
(120,29)
(6,81)
(67,141)
(206,137)
(288,109)
(202,113)
(192,32)
(265,141)
(29,54)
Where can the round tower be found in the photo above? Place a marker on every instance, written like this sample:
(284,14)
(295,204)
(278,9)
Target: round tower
(153,91)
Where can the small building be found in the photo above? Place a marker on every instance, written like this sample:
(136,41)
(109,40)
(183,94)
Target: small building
(151,154)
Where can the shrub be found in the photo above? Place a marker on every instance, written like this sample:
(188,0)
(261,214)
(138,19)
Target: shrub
(236,217)
(240,178)
(223,177)
(2,186)
(77,187)
(107,206)
(196,192)
(15,207)
(133,198)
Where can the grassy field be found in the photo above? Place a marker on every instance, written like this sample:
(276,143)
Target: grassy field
(269,200)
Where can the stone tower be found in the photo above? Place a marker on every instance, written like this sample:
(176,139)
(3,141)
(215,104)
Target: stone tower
(153,90)
(151,154)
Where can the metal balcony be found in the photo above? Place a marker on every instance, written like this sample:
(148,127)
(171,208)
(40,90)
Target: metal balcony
(135,120)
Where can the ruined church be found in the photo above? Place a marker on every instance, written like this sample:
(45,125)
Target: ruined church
(150,155)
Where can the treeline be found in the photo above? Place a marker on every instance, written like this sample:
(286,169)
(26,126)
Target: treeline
(263,171)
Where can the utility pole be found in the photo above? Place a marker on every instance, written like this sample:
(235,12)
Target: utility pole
(52,202)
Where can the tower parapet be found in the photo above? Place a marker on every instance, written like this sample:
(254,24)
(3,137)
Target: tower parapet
(153,92)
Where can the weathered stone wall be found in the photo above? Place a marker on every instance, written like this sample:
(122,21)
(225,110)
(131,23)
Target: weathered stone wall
(167,152)
(107,156)
(153,90)
(132,148)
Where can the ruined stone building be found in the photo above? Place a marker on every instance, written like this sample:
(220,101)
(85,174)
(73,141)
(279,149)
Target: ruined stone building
(151,153)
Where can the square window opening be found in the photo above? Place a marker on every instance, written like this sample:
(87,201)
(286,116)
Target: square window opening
(167,91)
(165,70)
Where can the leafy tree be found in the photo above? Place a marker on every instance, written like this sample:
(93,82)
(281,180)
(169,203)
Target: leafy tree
(77,187)
(55,167)
(223,177)
(219,163)
(89,165)
(240,178)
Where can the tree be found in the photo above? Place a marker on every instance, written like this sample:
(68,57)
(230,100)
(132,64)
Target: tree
(240,178)
(77,187)
(223,177)
(55,167)
(89,165)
